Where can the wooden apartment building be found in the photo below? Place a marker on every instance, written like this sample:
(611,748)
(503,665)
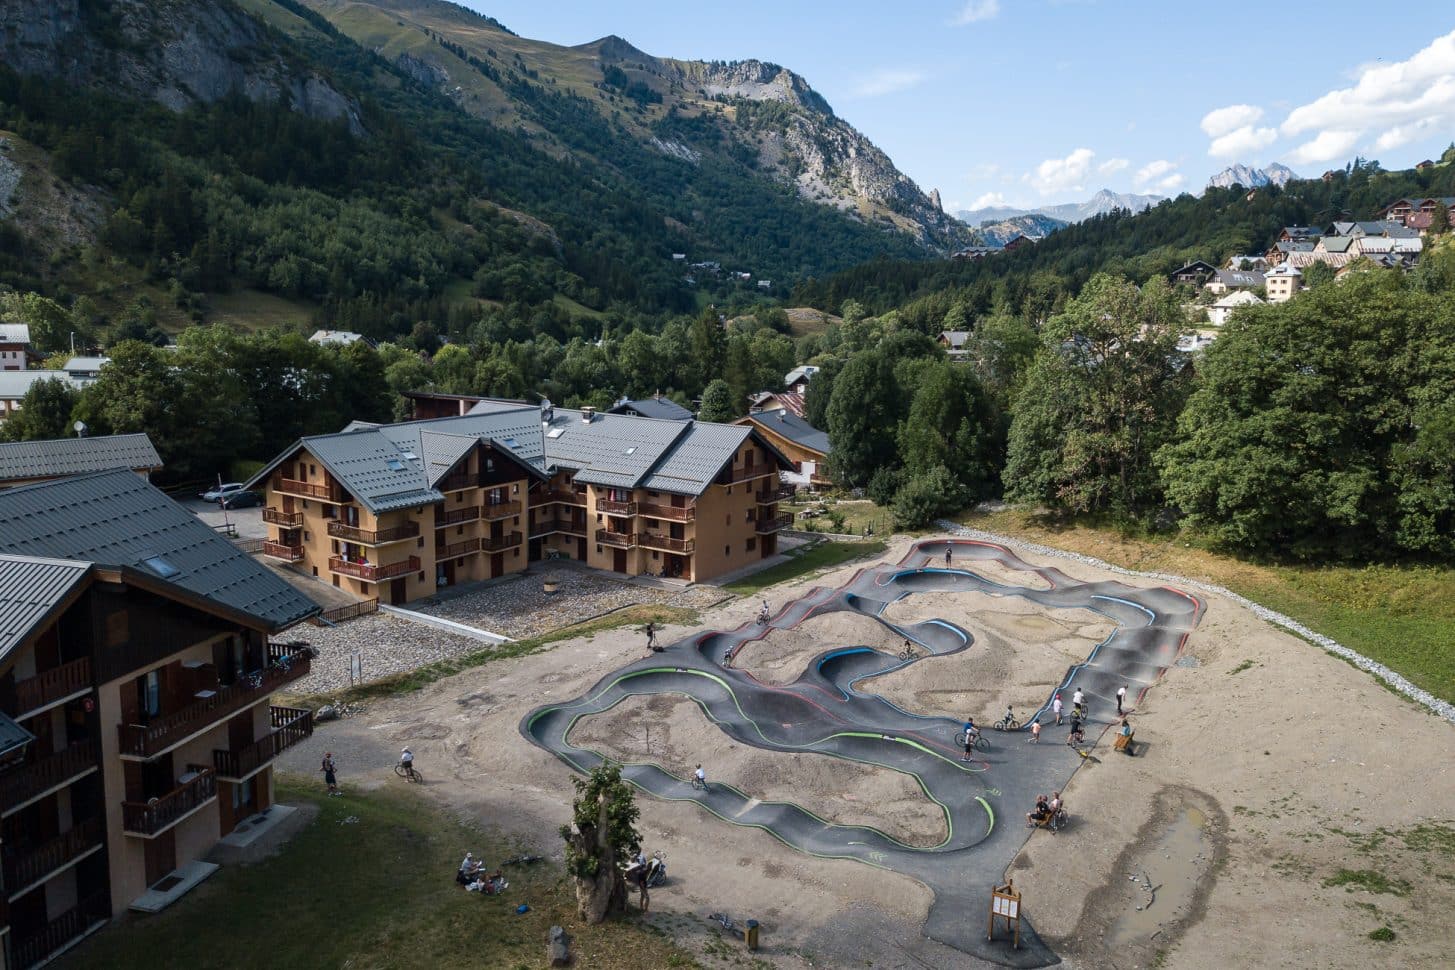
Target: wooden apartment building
(399,511)
(136,728)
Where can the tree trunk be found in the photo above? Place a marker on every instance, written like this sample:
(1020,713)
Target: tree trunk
(604,894)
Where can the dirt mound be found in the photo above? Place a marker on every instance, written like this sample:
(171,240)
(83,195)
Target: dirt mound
(674,732)
(782,655)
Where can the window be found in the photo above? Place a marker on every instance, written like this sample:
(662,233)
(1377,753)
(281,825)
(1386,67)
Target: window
(312,470)
(162,567)
(656,555)
(751,514)
(315,570)
(334,547)
(752,543)
(306,536)
(151,693)
(421,542)
(598,549)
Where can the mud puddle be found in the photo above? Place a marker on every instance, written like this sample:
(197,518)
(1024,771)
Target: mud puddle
(1165,880)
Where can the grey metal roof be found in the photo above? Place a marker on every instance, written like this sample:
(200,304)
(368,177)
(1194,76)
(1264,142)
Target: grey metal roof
(117,520)
(794,428)
(374,469)
(12,332)
(652,407)
(615,450)
(85,364)
(516,428)
(14,383)
(76,456)
(30,590)
(695,459)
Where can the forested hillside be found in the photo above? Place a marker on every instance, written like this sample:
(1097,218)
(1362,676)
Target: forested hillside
(278,156)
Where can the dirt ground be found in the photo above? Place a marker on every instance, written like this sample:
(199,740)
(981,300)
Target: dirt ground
(1313,806)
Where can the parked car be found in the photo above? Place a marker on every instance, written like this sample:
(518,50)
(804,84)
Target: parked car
(217,494)
(241,500)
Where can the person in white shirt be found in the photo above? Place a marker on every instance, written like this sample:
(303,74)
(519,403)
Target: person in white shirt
(1121,697)
(1056,707)
(699,778)
(406,760)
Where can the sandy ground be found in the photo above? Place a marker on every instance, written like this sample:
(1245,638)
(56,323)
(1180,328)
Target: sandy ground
(782,655)
(1021,652)
(672,731)
(1270,766)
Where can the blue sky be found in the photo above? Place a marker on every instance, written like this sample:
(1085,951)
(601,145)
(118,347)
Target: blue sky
(1028,102)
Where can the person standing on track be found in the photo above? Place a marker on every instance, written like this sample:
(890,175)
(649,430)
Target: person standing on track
(1035,737)
(1056,707)
(947,557)
(651,637)
(1121,698)
(699,778)
(329,769)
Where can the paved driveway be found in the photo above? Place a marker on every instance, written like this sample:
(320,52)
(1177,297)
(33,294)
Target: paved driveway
(249,522)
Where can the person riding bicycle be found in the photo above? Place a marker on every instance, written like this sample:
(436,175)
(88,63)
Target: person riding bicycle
(763,614)
(971,731)
(1009,715)
(406,761)
(1077,735)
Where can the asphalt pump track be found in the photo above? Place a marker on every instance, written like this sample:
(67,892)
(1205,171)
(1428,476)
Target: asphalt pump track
(824,712)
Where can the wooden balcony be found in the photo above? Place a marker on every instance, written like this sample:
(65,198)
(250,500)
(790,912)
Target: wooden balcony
(456,516)
(617,540)
(616,508)
(492,511)
(168,730)
(462,548)
(38,944)
(560,496)
(773,523)
(26,866)
(373,572)
(47,687)
(652,540)
(326,491)
(746,473)
(672,513)
(290,726)
(19,786)
(373,537)
(153,817)
(775,494)
(289,520)
(277,550)
(456,482)
(497,543)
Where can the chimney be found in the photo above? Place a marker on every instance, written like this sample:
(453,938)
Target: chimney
(547,411)
(588,414)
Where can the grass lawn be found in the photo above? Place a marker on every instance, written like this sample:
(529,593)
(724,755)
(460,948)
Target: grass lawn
(640,614)
(377,891)
(254,310)
(1402,616)
(822,555)
(858,514)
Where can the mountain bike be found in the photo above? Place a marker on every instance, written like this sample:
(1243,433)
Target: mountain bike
(908,653)
(408,772)
(1007,723)
(980,742)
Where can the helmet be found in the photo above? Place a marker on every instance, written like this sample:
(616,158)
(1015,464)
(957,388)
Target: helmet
(405,751)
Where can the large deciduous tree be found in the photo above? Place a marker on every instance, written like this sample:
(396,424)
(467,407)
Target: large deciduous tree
(45,412)
(952,425)
(1324,426)
(863,415)
(1102,396)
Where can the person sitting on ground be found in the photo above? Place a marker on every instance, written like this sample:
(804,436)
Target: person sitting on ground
(1055,803)
(1042,811)
(469,869)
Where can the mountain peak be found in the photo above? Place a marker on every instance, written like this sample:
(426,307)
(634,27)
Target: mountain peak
(1252,178)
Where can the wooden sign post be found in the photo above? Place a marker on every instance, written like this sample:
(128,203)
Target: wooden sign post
(1005,902)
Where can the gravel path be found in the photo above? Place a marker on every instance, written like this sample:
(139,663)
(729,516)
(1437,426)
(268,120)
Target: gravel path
(387,645)
(520,608)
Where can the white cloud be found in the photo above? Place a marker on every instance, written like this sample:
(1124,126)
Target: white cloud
(1404,134)
(975,11)
(1242,142)
(1153,171)
(1221,121)
(1328,146)
(889,81)
(989,199)
(1168,185)
(1112,165)
(1062,174)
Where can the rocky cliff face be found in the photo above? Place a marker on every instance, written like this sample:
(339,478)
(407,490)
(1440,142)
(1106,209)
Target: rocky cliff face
(827,159)
(174,52)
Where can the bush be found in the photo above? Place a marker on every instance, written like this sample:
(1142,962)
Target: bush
(242,469)
(926,497)
(883,484)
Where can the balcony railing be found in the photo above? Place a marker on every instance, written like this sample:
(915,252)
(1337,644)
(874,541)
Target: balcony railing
(456,482)
(24,866)
(561,496)
(462,548)
(747,472)
(160,733)
(290,725)
(321,490)
(497,543)
(455,516)
(773,523)
(20,785)
(277,550)
(290,520)
(373,537)
(491,511)
(33,693)
(672,513)
(780,493)
(616,508)
(617,540)
(156,815)
(654,541)
(372,572)
(34,947)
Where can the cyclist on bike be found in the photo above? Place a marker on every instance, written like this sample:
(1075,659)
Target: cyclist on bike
(972,734)
(406,761)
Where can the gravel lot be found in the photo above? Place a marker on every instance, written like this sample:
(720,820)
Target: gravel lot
(520,608)
(387,645)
